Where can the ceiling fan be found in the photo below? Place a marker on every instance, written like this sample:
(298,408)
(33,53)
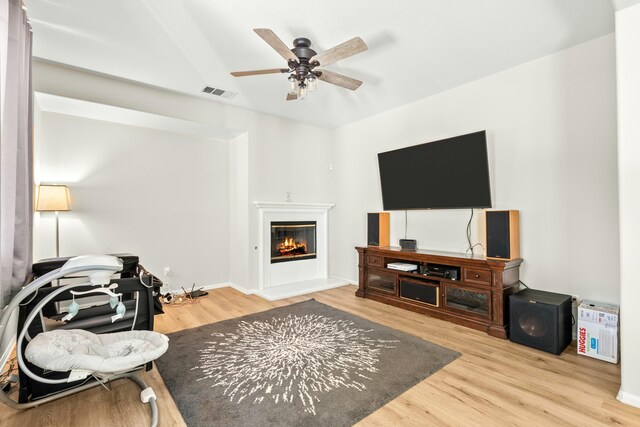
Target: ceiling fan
(303,63)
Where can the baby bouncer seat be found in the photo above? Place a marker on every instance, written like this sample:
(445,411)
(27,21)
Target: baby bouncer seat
(59,360)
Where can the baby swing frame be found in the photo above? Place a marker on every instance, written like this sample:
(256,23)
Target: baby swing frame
(99,269)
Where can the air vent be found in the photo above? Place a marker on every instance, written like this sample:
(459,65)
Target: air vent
(219,92)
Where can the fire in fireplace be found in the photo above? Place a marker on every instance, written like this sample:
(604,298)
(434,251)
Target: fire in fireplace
(293,241)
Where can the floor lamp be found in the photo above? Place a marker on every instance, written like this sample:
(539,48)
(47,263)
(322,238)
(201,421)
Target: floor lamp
(53,198)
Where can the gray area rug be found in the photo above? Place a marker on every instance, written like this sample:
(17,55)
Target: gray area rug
(306,364)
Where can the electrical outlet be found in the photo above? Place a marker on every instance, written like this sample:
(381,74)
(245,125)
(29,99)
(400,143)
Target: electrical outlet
(167,271)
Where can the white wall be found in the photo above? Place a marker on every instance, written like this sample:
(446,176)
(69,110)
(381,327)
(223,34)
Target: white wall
(239,207)
(159,195)
(551,127)
(276,155)
(628,61)
(283,156)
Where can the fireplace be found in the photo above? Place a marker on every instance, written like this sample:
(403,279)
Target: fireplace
(292,241)
(301,231)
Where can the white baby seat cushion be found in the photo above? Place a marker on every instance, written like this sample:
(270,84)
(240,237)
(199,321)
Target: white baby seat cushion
(66,350)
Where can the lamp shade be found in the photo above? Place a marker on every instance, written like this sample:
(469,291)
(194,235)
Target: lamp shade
(53,198)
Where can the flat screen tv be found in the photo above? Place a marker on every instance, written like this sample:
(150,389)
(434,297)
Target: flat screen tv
(452,173)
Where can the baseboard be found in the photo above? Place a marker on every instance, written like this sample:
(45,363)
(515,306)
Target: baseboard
(300,288)
(228,285)
(628,398)
(266,295)
(351,282)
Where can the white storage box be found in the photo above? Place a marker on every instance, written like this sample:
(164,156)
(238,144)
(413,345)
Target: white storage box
(598,330)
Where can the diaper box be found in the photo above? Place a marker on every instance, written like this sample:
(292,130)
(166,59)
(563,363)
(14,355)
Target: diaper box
(598,330)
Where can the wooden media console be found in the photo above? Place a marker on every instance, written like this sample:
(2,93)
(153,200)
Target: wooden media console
(464,289)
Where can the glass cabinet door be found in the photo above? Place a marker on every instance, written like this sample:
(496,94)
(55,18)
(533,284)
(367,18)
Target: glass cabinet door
(471,301)
(381,281)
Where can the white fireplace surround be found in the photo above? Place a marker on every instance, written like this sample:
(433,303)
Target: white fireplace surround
(282,280)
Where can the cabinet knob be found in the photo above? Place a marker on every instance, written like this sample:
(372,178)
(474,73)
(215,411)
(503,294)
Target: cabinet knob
(477,276)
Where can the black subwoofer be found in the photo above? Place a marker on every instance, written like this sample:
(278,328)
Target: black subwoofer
(540,320)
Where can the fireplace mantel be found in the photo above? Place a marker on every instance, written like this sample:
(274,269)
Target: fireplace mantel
(297,277)
(292,205)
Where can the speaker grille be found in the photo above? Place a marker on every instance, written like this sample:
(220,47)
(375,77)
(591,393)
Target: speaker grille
(498,244)
(426,292)
(533,325)
(373,229)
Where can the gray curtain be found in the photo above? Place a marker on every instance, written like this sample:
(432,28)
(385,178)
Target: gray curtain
(16,172)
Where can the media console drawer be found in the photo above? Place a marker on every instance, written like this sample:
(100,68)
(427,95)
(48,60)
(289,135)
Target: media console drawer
(482,277)
(374,261)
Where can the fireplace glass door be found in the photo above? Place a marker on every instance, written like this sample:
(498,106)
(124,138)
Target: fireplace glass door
(293,241)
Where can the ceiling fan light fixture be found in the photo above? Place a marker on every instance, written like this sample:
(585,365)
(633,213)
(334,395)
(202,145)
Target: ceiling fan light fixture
(302,91)
(312,82)
(293,85)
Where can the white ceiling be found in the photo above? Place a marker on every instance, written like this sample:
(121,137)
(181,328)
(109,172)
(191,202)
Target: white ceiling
(416,47)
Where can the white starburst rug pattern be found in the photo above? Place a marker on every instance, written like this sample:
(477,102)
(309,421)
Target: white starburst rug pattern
(291,358)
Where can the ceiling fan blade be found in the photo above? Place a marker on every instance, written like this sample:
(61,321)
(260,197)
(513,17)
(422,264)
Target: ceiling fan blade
(292,97)
(340,80)
(342,51)
(277,44)
(257,72)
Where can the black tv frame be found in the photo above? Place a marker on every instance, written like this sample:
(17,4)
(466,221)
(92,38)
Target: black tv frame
(474,206)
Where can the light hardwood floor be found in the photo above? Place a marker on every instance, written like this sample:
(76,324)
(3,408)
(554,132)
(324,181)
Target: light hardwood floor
(493,383)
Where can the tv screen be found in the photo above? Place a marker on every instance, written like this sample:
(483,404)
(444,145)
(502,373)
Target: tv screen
(448,174)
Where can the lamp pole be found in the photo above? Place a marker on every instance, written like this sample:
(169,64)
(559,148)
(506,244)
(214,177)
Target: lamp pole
(57,237)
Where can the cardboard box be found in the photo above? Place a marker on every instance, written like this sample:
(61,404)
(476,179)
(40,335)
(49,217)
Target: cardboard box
(598,330)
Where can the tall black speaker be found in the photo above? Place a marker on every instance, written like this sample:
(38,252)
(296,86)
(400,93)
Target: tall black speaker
(503,234)
(540,320)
